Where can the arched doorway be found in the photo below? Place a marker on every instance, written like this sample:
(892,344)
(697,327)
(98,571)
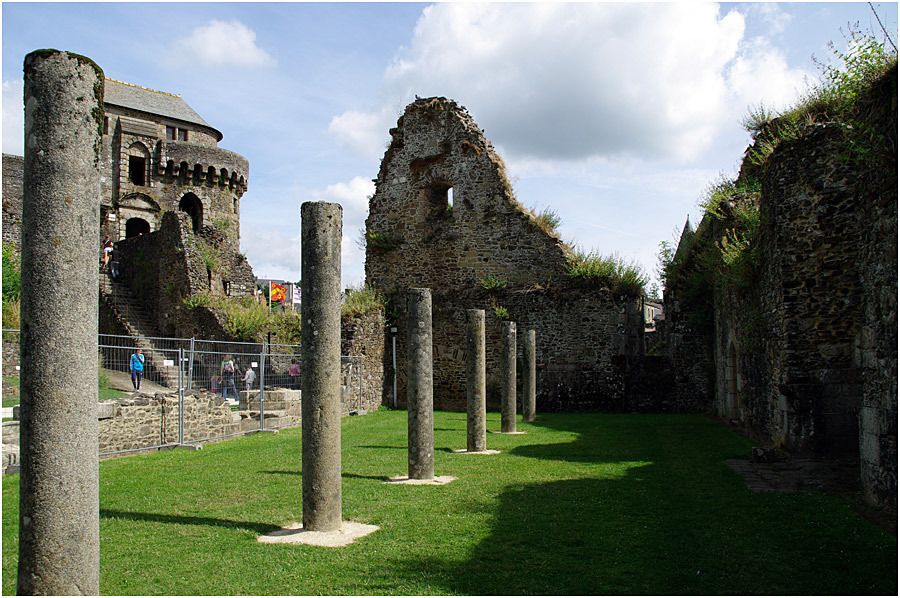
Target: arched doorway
(135,227)
(191,205)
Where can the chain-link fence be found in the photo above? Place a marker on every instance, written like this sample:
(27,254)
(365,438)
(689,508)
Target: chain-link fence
(158,392)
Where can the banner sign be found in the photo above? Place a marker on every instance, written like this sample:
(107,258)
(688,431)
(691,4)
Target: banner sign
(277,293)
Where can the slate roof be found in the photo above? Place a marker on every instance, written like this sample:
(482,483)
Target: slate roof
(127,95)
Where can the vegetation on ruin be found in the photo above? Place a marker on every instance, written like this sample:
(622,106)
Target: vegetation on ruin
(211,255)
(361,300)
(222,224)
(836,98)
(500,312)
(12,286)
(380,242)
(247,320)
(547,220)
(491,282)
(619,276)
(584,504)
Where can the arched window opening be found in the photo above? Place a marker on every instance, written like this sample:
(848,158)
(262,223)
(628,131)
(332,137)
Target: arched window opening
(138,164)
(223,177)
(211,176)
(191,205)
(439,197)
(183,171)
(197,177)
(170,170)
(135,227)
(232,181)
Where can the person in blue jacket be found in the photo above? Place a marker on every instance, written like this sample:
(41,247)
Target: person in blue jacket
(137,368)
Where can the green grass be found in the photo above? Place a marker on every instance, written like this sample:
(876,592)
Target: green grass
(593,269)
(582,504)
(11,385)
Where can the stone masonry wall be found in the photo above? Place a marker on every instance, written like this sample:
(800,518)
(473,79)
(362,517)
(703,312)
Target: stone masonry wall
(363,336)
(12,198)
(444,217)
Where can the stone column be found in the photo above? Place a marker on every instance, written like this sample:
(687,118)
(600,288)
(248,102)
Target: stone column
(529,380)
(420,385)
(508,378)
(475,381)
(321,341)
(59,524)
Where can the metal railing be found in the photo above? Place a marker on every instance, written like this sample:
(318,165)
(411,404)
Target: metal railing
(186,395)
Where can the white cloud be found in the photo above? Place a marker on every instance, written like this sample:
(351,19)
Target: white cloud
(275,253)
(13,118)
(223,43)
(775,18)
(574,81)
(761,75)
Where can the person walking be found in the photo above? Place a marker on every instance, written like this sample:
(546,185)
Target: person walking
(249,378)
(107,252)
(228,369)
(137,368)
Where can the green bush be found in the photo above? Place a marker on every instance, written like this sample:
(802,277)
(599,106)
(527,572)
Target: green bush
(247,320)
(501,312)
(12,277)
(621,277)
(360,301)
(834,99)
(492,283)
(212,257)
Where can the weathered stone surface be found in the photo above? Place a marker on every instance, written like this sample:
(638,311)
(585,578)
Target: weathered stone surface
(363,337)
(59,532)
(321,336)
(508,378)
(476,437)
(529,376)
(420,397)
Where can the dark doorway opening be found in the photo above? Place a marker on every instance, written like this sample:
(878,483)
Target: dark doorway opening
(135,227)
(191,205)
(137,170)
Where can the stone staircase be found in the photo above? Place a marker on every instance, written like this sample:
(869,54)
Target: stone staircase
(133,317)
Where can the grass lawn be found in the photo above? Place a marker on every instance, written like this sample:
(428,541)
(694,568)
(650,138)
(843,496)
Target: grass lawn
(582,504)
(10,391)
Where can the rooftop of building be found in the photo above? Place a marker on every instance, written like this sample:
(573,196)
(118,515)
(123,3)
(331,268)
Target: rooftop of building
(151,101)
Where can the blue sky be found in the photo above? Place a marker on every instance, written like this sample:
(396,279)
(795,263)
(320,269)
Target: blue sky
(617,116)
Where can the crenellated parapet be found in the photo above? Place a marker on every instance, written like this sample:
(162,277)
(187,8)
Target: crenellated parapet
(190,163)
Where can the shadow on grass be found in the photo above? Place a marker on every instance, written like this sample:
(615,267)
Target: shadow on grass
(260,528)
(657,512)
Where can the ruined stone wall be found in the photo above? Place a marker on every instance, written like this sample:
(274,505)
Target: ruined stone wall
(876,354)
(165,267)
(12,198)
(444,217)
(363,336)
(581,339)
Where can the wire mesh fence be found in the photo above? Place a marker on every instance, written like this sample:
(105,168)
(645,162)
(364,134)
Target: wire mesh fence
(158,392)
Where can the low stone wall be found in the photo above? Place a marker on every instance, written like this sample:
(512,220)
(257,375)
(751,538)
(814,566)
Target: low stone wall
(281,408)
(146,421)
(363,337)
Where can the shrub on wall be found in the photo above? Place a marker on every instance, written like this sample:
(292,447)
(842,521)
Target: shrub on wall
(593,269)
(247,320)
(361,300)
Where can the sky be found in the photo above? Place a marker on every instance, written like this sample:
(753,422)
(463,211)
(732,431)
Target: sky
(616,116)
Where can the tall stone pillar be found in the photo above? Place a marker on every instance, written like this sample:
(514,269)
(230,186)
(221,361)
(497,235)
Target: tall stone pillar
(420,385)
(508,378)
(475,381)
(529,380)
(59,524)
(321,341)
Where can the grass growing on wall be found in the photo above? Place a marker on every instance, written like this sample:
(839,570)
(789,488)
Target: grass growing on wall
(247,320)
(621,277)
(361,300)
(583,504)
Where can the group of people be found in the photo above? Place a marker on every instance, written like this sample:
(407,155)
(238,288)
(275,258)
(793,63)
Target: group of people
(228,373)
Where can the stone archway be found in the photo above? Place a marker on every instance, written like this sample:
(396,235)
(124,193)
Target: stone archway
(191,205)
(135,227)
